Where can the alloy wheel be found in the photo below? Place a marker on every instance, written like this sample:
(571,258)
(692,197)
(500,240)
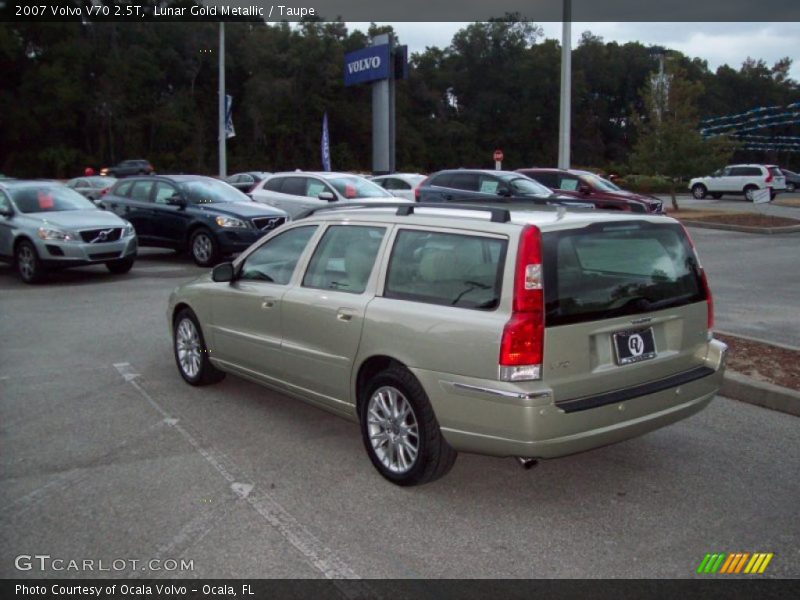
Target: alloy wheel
(393,429)
(187,344)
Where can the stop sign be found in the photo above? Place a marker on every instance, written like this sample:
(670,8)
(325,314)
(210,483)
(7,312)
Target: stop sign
(498,155)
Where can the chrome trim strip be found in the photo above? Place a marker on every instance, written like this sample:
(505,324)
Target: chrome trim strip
(498,393)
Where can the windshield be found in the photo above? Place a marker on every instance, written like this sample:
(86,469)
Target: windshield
(529,187)
(48,198)
(211,191)
(600,183)
(616,269)
(356,187)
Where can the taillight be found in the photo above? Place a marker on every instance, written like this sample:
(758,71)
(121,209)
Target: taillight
(769,177)
(104,191)
(418,191)
(522,345)
(704,280)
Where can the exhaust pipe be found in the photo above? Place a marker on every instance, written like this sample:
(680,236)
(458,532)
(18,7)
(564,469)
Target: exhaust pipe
(526,463)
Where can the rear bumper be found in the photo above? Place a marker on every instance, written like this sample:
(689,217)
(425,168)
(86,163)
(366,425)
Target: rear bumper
(503,420)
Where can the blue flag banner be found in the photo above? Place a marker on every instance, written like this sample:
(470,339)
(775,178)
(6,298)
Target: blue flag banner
(325,145)
(229,131)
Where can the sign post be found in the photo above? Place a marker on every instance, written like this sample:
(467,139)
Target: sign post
(498,160)
(379,64)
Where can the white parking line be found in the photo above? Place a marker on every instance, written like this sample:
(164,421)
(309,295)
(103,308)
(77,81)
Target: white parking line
(319,555)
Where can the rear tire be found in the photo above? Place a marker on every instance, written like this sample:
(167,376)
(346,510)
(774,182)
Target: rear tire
(29,267)
(400,432)
(204,248)
(748,192)
(699,191)
(790,187)
(121,266)
(191,352)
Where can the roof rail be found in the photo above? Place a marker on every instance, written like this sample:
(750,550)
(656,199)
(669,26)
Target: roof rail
(498,215)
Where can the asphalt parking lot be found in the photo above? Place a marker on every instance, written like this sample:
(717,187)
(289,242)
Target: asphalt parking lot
(108,455)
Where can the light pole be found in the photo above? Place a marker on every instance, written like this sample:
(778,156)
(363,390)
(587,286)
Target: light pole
(223,168)
(564,123)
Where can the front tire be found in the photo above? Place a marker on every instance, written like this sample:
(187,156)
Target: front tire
(204,248)
(699,191)
(400,432)
(29,267)
(191,352)
(121,266)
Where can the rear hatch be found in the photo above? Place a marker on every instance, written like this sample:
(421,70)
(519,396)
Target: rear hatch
(625,307)
(778,178)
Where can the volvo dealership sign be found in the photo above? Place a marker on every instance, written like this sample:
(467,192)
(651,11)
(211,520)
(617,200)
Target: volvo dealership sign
(368,64)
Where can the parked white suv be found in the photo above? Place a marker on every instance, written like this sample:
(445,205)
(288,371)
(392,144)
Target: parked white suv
(739,179)
(298,191)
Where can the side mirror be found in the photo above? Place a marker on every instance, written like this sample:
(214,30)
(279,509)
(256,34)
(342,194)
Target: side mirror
(222,272)
(328,196)
(584,189)
(177,200)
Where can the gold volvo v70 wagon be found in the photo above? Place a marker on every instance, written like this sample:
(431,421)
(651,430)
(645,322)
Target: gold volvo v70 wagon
(532,334)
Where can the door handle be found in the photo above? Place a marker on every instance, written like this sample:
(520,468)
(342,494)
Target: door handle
(267,303)
(345,314)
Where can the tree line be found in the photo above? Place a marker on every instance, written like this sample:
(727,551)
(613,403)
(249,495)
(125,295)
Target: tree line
(78,94)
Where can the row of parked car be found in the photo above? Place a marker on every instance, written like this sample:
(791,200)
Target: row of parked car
(46,225)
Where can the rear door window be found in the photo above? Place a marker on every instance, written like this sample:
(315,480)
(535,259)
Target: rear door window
(614,269)
(568,183)
(274,184)
(123,189)
(446,268)
(344,258)
(294,186)
(442,180)
(465,181)
(141,191)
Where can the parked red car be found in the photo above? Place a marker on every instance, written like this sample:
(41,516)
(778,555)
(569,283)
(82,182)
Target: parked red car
(591,188)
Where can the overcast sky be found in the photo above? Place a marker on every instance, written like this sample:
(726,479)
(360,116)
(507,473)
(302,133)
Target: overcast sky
(718,43)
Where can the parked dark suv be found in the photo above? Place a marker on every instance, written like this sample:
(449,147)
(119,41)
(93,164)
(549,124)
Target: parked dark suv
(483,185)
(588,187)
(130,167)
(203,215)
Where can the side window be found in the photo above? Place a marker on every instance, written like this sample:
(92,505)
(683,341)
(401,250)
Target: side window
(446,268)
(738,172)
(245,178)
(274,184)
(465,181)
(344,258)
(490,185)
(726,172)
(123,189)
(81,183)
(141,191)
(442,180)
(753,172)
(296,186)
(392,183)
(164,192)
(569,183)
(314,187)
(547,179)
(276,259)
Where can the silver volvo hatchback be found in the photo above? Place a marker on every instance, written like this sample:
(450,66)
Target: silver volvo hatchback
(45,225)
(531,334)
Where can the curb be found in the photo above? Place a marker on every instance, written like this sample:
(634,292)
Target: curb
(759,340)
(759,393)
(741,228)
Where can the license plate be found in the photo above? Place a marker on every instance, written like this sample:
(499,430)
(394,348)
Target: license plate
(634,346)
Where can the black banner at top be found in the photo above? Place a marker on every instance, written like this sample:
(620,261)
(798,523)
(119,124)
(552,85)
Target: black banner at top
(394,11)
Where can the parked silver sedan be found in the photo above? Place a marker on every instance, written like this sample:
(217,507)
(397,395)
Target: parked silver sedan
(92,187)
(45,225)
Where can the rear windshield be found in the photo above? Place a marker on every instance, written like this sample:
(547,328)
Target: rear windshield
(775,171)
(610,270)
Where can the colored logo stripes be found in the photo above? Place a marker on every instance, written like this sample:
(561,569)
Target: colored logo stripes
(735,563)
